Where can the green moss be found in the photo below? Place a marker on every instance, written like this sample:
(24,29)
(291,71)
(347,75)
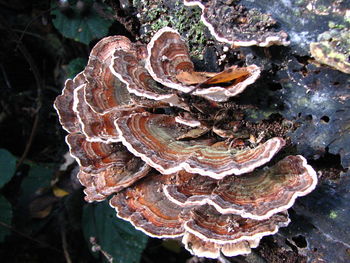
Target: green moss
(154,14)
(159,24)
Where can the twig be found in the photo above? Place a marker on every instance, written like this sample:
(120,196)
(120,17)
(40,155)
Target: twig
(222,259)
(96,247)
(8,84)
(30,22)
(39,86)
(30,141)
(64,244)
(29,34)
(29,237)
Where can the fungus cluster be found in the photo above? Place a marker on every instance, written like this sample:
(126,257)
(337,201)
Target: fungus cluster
(136,133)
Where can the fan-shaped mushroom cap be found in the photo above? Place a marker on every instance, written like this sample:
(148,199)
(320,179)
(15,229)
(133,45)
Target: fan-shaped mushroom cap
(209,225)
(104,91)
(94,156)
(169,63)
(104,168)
(148,209)
(257,195)
(209,249)
(167,57)
(186,119)
(90,190)
(64,104)
(129,66)
(153,137)
(227,83)
(96,126)
(112,179)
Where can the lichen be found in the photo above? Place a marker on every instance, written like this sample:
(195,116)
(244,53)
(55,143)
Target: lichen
(333,48)
(333,215)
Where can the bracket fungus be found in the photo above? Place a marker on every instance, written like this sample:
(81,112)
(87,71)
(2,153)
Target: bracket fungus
(232,23)
(152,137)
(135,136)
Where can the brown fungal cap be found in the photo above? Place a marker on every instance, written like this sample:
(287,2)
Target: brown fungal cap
(95,126)
(186,119)
(153,137)
(105,92)
(64,104)
(236,25)
(112,179)
(90,190)
(128,65)
(228,83)
(257,195)
(104,168)
(92,156)
(209,249)
(209,225)
(148,209)
(167,57)
(169,63)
